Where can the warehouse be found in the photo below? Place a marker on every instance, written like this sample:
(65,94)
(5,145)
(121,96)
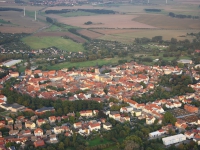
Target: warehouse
(173,139)
(11,63)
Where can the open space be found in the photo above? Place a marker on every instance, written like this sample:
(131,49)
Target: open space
(36,42)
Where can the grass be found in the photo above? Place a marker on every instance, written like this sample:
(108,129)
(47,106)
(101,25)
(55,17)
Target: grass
(97,141)
(87,63)
(77,13)
(59,42)
(4,22)
(62,28)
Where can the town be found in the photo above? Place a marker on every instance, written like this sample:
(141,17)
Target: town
(114,89)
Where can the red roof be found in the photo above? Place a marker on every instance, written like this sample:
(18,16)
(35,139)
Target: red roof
(39,143)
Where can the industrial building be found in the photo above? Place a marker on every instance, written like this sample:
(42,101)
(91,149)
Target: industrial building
(173,139)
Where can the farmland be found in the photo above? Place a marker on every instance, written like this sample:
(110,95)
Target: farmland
(36,42)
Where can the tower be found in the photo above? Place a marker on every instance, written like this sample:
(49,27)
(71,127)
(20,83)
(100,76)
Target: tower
(24,12)
(35,16)
(166,1)
(148,1)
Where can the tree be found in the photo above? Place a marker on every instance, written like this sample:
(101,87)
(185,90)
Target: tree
(61,146)
(131,145)
(169,118)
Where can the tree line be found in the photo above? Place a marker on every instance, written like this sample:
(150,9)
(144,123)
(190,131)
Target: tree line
(153,10)
(96,11)
(171,14)
(10,9)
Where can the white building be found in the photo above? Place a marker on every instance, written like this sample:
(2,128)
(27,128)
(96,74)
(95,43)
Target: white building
(11,63)
(173,139)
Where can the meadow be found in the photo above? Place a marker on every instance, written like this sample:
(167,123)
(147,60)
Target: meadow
(36,42)
(97,62)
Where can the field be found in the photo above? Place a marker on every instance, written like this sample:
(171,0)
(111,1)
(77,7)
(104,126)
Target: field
(89,33)
(166,22)
(36,42)
(88,63)
(59,34)
(128,36)
(103,21)
(19,23)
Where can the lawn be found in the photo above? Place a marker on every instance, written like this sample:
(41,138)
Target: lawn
(88,63)
(44,42)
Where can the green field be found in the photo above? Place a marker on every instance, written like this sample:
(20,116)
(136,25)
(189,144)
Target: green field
(59,42)
(4,22)
(63,27)
(88,63)
(77,13)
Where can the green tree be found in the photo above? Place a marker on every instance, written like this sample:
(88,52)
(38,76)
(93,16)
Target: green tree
(169,118)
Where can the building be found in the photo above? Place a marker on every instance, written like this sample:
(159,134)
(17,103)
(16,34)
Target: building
(173,139)
(191,109)
(185,61)
(11,63)
(43,110)
(12,107)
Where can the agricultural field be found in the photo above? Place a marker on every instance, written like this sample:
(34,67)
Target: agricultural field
(36,42)
(19,23)
(90,33)
(166,22)
(128,36)
(61,34)
(103,21)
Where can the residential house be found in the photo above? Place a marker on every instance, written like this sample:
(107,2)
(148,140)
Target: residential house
(52,119)
(107,126)
(53,138)
(87,113)
(94,126)
(30,125)
(38,132)
(191,108)
(77,125)
(189,134)
(13,132)
(150,120)
(39,143)
(40,122)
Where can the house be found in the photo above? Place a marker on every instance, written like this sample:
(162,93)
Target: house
(173,139)
(68,134)
(94,126)
(77,125)
(43,110)
(150,120)
(39,143)
(157,133)
(84,131)
(126,109)
(87,113)
(197,139)
(14,74)
(53,138)
(52,119)
(191,108)
(30,125)
(9,120)
(185,61)
(136,112)
(58,130)
(38,132)
(13,132)
(189,134)
(107,126)
(40,122)
(18,126)
(4,98)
